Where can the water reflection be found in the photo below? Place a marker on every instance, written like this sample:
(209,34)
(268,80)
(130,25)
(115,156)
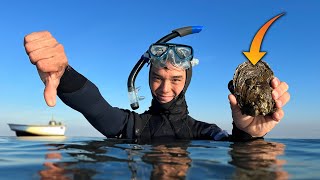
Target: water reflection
(258,159)
(169,161)
(53,171)
(55,167)
(123,159)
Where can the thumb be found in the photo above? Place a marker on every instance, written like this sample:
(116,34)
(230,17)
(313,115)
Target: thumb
(242,121)
(50,91)
(51,81)
(233,103)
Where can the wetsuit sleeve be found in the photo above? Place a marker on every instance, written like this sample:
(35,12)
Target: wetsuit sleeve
(239,135)
(203,130)
(80,94)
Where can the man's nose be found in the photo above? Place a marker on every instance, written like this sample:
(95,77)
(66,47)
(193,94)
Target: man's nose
(165,86)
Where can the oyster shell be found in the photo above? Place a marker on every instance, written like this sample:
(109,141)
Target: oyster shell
(251,87)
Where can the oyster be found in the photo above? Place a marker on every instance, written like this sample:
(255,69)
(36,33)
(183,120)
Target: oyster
(252,88)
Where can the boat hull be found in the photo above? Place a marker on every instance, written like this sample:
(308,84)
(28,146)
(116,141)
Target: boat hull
(38,130)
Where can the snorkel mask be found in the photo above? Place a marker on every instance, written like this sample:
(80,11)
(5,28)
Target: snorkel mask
(158,54)
(178,55)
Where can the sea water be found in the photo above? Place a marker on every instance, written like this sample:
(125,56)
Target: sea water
(101,158)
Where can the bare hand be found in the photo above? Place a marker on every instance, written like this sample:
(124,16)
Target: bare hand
(48,55)
(260,125)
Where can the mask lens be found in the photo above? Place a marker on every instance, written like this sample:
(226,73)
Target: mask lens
(180,63)
(158,50)
(183,52)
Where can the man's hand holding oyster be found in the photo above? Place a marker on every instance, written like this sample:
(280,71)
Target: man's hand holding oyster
(257,98)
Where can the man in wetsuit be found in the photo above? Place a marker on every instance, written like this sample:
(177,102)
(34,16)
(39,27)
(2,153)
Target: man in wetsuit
(168,115)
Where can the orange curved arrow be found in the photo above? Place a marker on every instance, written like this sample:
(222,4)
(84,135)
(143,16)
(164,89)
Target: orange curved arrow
(254,55)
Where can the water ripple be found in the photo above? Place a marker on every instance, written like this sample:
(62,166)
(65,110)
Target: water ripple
(100,158)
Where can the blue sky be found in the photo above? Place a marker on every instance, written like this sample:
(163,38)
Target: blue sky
(104,39)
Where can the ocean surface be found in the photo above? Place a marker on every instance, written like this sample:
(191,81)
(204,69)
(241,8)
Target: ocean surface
(101,158)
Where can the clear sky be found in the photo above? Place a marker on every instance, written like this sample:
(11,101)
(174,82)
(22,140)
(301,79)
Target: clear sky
(104,39)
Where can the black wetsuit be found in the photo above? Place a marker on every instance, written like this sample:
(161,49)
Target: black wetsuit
(82,95)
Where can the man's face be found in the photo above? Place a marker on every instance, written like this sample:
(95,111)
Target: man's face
(167,83)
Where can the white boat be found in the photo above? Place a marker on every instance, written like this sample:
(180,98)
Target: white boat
(52,129)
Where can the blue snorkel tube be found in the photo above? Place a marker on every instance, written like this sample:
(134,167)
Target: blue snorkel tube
(132,91)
